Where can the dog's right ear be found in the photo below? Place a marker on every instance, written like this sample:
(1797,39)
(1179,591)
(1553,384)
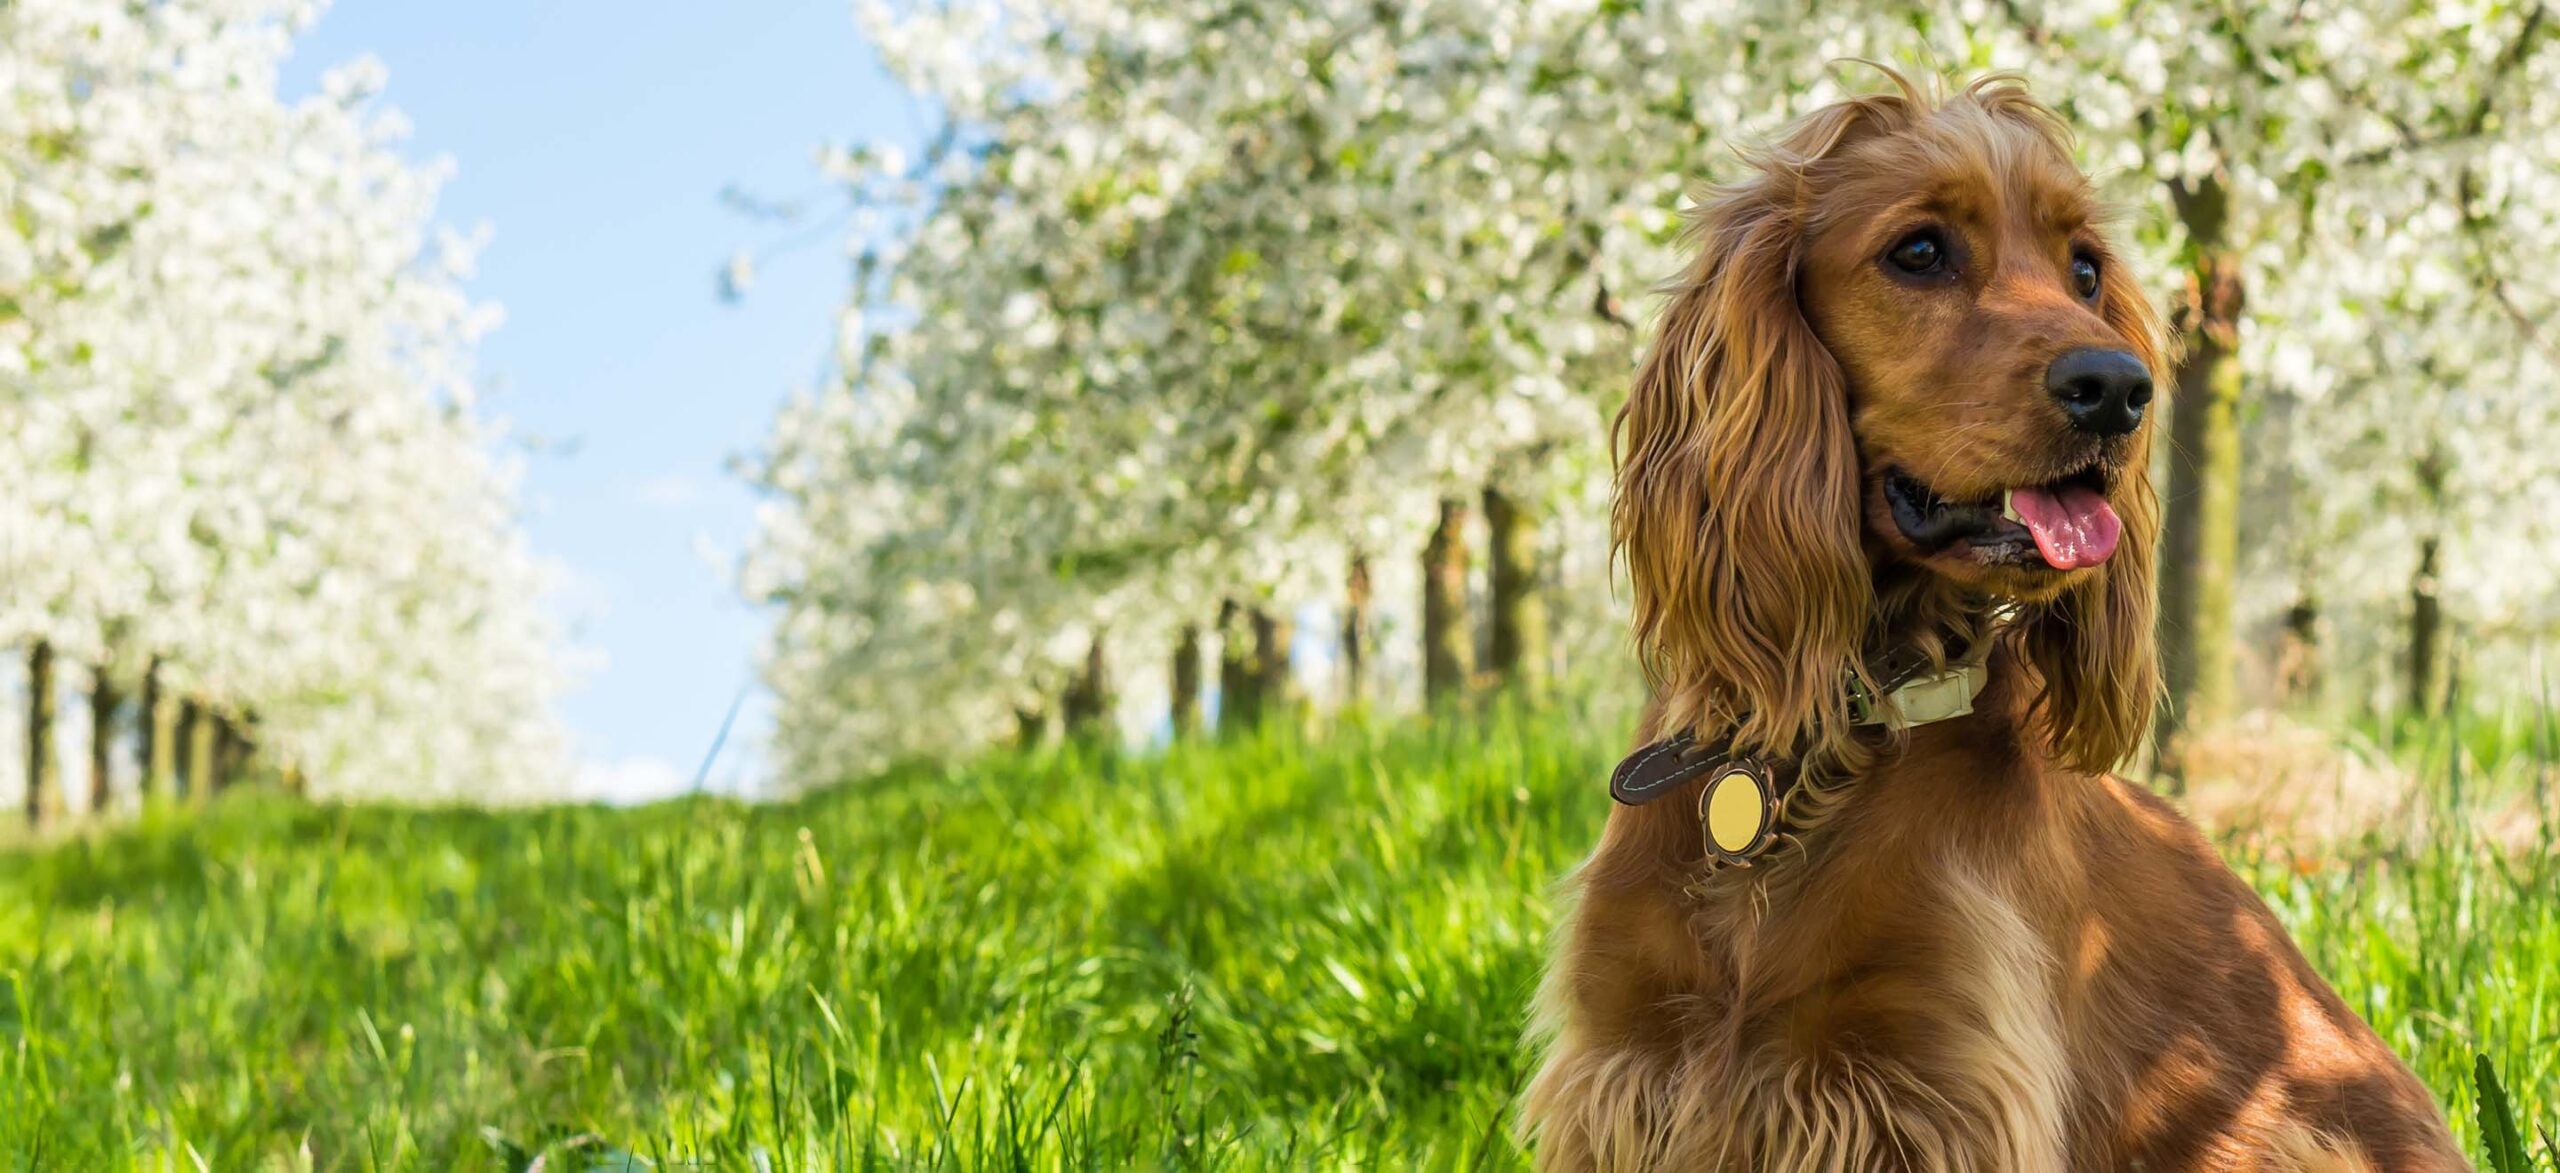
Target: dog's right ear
(1738,491)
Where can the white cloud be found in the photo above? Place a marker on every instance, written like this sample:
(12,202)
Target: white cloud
(721,557)
(669,492)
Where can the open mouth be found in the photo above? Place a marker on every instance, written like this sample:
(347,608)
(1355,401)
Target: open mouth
(2064,524)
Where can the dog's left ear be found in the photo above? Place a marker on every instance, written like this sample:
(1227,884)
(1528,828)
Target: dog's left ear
(1737,508)
(2095,646)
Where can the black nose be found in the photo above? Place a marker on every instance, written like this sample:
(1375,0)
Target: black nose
(2103,391)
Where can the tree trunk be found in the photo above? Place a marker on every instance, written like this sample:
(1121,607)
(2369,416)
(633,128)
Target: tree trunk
(44,767)
(1355,631)
(159,736)
(226,752)
(2426,629)
(235,743)
(1087,704)
(1030,727)
(2200,533)
(2426,602)
(1186,682)
(1448,647)
(1272,691)
(2298,661)
(1238,706)
(195,738)
(104,699)
(1519,644)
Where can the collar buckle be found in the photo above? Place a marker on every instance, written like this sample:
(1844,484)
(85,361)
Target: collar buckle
(1937,697)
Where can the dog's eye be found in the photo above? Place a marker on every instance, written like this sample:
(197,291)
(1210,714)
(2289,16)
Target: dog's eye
(1919,252)
(2084,275)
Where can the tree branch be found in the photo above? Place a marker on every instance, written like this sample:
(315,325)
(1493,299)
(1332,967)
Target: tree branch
(2473,124)
(2475,226)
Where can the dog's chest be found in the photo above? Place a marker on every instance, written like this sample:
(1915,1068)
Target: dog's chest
(1923,1011)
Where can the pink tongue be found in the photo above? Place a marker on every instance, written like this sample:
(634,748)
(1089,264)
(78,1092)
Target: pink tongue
(2073,525)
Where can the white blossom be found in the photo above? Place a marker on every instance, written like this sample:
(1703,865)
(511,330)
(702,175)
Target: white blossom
(1191,301)
(237,423)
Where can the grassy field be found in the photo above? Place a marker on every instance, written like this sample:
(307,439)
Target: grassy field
(1276,953)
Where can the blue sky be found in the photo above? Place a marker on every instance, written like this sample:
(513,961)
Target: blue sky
(594,139)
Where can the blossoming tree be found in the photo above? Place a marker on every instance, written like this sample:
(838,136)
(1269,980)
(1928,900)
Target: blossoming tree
(1196,302)
(246,474)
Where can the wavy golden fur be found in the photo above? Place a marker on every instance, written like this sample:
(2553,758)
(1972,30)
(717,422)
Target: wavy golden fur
(1988,954)
(1740,406)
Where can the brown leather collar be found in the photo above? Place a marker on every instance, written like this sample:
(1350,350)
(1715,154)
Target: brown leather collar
(1743,807)
(1659,768)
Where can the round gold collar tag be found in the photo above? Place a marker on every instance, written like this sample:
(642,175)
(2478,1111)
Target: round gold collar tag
(1738,811)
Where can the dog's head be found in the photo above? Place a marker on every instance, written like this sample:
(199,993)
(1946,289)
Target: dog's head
(1906,379)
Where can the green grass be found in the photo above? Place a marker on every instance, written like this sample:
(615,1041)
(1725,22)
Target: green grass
(1268,954)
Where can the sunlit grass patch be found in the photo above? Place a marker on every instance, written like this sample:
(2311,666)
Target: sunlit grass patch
(1273,953)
